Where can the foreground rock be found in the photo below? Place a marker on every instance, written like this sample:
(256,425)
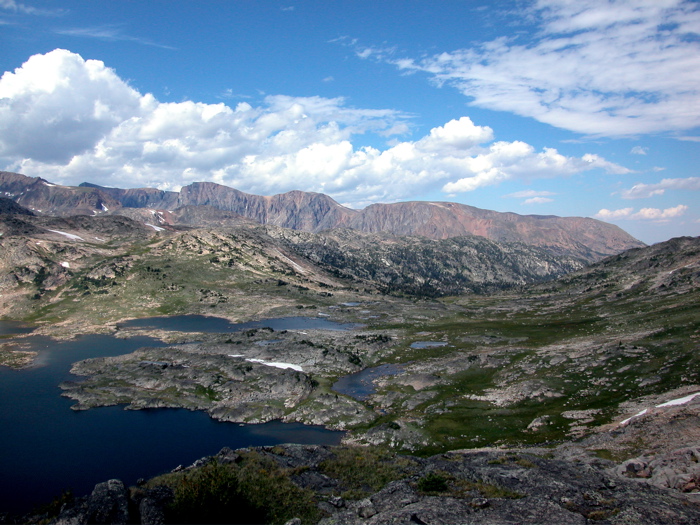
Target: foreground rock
(477,487)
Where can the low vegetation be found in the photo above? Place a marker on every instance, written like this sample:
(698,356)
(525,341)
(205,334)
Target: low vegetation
(253,490)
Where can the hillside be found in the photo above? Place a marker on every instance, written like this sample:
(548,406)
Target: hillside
(583,389)
(577,237)
(50,262)
(467,342)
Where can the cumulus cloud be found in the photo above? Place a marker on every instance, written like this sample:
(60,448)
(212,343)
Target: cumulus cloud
(58,105)
(643,191)
(639,150)
(69,120)
(612,68)
(606,214)
(654,214)
(507,160)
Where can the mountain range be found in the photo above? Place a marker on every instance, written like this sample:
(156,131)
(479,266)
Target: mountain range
(583,238)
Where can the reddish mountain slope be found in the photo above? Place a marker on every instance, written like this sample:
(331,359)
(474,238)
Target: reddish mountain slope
(584,238)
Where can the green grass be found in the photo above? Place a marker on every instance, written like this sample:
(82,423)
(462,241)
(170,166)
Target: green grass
(362,471)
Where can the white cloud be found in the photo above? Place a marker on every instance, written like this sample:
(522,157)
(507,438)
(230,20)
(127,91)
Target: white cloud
(69,120)
(538,200)
(508,160)
(58,105)
(639,150)
(643,191)
(529,194)
(654,214)
(611,68)
(606,214)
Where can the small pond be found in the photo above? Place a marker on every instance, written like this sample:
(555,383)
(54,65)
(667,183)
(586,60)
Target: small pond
(428,344)
(360,386)
(45,447)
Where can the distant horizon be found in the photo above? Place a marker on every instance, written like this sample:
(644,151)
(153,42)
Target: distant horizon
(547,107)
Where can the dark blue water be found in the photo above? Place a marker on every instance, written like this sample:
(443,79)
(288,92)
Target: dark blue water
(45,447)
(13,327)
(359,385)
(202,323)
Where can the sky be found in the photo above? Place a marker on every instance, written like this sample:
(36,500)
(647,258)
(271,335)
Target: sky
(548,107)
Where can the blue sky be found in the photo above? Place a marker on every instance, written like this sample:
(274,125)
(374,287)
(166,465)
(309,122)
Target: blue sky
(584,108)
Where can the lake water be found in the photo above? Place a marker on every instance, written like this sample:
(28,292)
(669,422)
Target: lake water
(45,447)
(360,386)
(202,323)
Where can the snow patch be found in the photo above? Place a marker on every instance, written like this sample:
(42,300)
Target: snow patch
(104,208)
(276,365)
(69,235)
(270,363)
(65,264)
(679,401)
(156,228)
(672,402)
(636,415)
(289,261)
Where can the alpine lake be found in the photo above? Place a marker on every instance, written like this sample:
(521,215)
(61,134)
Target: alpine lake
(46,448)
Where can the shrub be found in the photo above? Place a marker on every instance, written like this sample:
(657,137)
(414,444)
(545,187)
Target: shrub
(210,495)
(433,482)
(257,490)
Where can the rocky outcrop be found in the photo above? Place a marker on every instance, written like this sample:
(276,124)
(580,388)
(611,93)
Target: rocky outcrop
(10,207)
(108,503)
(678,470)
(480,487)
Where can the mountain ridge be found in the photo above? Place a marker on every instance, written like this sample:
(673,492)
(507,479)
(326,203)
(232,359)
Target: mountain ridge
(584,238)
